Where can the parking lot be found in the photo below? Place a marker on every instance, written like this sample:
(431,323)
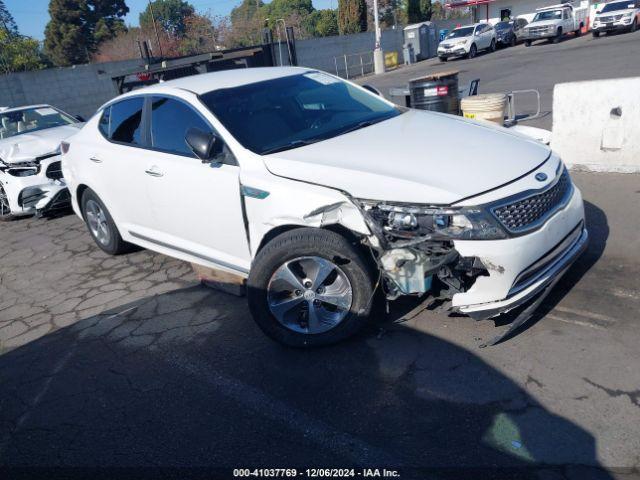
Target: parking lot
(128,362)
(538,67)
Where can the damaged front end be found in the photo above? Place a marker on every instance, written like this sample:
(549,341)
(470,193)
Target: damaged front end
(416,251)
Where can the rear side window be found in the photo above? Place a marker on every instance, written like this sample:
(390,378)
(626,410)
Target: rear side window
(122,121)
(170,121)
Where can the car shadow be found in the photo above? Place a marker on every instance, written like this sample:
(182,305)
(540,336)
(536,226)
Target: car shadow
(184,385)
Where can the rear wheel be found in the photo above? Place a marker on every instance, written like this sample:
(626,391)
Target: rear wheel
(558,36)
(527,43)
(310,287)
(634,25)
(513,41)
(492,47)
(595,34)
(443,59)
(101,225)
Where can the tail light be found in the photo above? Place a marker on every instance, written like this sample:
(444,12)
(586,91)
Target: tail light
(64,147)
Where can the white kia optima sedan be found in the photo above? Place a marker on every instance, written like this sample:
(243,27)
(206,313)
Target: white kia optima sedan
(322,194)
(30,172)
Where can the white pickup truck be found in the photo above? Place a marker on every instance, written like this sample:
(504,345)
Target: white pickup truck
(555,21)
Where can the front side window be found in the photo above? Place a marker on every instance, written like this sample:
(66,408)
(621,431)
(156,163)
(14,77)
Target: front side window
(122,121)
(170,121)
(28,120)
(291,111)
(548,15)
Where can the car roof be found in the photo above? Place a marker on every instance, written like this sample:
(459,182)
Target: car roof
(24,107)
(208,82)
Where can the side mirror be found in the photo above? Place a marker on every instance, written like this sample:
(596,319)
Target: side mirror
(201,143)
(79,118)
(372,89)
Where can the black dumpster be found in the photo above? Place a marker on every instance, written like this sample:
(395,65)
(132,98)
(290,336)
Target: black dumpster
(437,92)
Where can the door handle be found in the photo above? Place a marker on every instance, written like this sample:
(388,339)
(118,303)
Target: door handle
(95,160)
(153,173)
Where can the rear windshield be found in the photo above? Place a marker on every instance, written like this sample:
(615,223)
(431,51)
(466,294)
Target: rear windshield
(461,32)
(289,112)
(17,122)
(549,15)
(611,7)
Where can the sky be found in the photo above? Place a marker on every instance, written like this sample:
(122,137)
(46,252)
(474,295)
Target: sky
(32,15)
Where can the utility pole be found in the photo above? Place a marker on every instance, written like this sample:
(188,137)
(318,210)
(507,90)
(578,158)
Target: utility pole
(155,28)
(378,55)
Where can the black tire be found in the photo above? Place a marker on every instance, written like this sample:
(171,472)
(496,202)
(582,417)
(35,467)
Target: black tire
(527,43)
(443,59)
(5,210)
(472,51)
(311,242)
(492,47)
(558,36)
(578,32)
(115,245)
(595,34)
(513,41)
(634,26)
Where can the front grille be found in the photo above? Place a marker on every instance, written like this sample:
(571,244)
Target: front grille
(538,30)
(611,18)
(54,171)
(529,212)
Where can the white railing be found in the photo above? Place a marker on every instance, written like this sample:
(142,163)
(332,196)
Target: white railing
(354,65)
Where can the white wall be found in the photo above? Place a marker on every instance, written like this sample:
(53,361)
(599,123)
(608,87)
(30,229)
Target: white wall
(585,132)
(519,8)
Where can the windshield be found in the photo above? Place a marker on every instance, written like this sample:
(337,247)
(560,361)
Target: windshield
(502,25)
(610,7)
(289,112)
(548,15)
(28,120)
(461,32)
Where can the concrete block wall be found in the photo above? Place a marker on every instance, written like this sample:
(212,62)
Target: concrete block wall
(78,90)
(596,124)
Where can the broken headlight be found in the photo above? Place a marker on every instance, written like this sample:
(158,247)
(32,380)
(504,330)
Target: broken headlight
(433,223)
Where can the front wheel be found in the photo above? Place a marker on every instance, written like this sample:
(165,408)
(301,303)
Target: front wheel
(595,34)
(558,36)
(443,59)
(101,225)
(5,209)
(472,51)
(310,287)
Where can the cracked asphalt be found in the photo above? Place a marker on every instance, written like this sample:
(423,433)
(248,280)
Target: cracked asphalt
(127,364)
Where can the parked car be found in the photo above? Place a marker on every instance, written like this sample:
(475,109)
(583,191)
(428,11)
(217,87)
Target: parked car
(324,194)
(508,32)
(467,41)
(617,16)
(30,171)
(553,22)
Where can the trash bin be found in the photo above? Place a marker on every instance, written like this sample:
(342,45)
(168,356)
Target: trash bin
(437,92)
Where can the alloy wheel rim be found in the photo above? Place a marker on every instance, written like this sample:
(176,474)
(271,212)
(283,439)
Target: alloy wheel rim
(309,295)
(4,203)
(97,221)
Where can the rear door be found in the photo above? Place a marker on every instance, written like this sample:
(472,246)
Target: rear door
(115,162)
(196,206)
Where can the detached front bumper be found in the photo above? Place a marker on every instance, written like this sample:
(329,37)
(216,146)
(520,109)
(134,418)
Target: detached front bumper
(521,267)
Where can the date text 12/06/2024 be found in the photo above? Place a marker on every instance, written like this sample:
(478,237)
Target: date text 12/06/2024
(316,472)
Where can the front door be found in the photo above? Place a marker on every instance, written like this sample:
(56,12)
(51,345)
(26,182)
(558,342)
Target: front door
(196,207)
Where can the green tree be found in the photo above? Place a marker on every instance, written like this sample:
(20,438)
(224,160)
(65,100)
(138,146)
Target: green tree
(77,27)
(418,10)
(286,10)
(352,16)
(7,22)
(169,15)
(322,23)
(246,23)
(19,53)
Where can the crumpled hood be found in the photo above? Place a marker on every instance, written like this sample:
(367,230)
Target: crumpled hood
(27,146)
(419,157)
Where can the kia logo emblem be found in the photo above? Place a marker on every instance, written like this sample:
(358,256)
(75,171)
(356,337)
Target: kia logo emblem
(541,177)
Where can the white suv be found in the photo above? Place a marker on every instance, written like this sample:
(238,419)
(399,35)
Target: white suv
(323,195)
(467,41)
